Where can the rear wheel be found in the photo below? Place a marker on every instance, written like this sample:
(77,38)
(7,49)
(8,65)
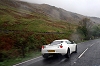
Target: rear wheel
(45,56)
(68,54)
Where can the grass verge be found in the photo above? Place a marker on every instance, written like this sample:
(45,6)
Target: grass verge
(13,61)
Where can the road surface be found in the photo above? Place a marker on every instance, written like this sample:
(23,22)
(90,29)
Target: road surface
(88,55)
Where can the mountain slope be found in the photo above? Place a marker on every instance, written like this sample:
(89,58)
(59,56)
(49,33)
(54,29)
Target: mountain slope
(61,14)
(26,9)
(95,20)
(19,15)
(58,13)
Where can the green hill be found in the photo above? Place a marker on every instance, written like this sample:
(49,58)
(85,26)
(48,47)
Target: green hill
(17,15)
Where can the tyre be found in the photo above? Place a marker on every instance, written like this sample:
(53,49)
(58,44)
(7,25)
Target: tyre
(76,49)
(45,56)
(68,54)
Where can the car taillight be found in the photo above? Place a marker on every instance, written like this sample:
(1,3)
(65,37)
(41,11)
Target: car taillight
(61,46)
(42,47)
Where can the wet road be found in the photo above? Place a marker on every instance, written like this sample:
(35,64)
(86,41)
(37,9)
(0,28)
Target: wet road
(88,55)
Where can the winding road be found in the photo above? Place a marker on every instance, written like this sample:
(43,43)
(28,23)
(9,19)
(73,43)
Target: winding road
(88,55)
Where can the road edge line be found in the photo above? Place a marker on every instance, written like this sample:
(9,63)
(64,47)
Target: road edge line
(27,61)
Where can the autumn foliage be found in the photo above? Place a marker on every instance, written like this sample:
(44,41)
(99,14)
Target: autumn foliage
(17,44)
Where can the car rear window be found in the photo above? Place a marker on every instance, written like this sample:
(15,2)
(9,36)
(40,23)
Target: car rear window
(56,42)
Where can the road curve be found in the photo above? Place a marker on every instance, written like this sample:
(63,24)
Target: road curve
(88,55)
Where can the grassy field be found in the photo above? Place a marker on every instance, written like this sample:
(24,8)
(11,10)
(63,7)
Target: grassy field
(37,25)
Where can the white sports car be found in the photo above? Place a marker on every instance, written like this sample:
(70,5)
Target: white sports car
(63,47)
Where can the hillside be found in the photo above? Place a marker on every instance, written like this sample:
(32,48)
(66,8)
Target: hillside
(21,16)
(95,20)
(58,13)
(18,15)
(22,21)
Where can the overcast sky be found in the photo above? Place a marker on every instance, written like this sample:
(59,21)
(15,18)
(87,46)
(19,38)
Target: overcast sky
(84,7)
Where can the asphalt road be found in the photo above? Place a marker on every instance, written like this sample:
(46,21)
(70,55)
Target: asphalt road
(88,55)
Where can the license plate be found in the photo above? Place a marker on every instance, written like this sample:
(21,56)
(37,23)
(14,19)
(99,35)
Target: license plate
(51,50)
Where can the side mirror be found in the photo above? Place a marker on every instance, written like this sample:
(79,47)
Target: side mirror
(48,44)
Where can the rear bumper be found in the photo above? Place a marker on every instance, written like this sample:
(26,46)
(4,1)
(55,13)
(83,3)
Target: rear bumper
(57,51)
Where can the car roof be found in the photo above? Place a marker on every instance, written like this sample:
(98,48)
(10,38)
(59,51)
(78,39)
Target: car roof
(62,40)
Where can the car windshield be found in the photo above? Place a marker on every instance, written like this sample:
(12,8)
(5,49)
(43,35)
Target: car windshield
(56,42)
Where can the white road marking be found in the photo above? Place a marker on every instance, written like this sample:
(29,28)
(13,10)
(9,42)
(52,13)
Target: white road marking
(91,45)
(82,53)
(27,61)
(74,62)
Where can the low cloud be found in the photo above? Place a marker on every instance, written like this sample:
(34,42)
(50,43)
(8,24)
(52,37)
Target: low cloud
(84,7)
